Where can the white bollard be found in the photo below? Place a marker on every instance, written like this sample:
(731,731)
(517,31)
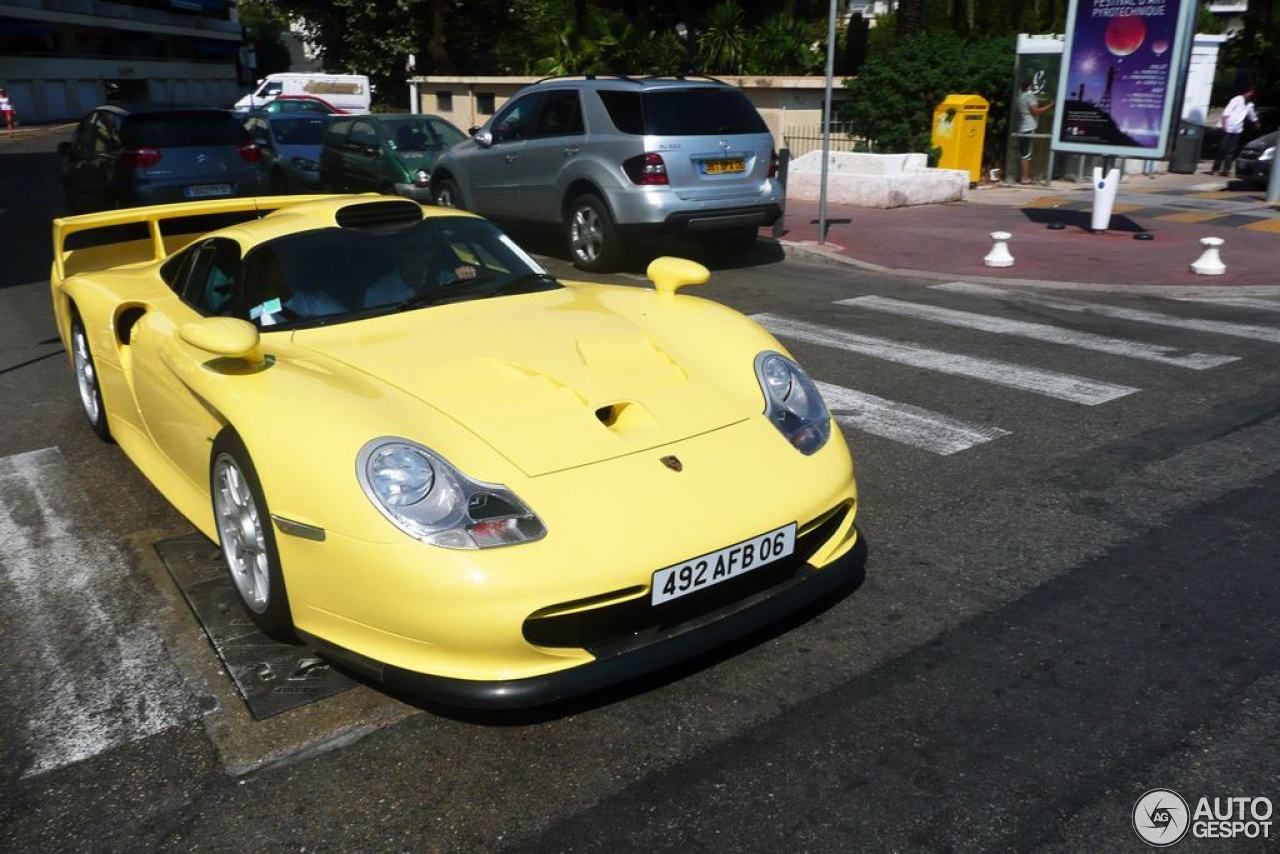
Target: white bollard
(1210,262)
(999,255)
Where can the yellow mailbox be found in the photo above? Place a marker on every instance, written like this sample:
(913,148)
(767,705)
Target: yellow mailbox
(959,128)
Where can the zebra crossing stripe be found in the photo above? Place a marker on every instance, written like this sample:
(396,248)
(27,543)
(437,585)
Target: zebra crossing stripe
(1036,380)
(1041,332)
(1269,334)
(93,673)
(904,423)
(1254,303)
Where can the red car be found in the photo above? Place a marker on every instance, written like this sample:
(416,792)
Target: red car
(300,104)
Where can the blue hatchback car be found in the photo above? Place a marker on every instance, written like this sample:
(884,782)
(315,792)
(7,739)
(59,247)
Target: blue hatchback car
(128,156)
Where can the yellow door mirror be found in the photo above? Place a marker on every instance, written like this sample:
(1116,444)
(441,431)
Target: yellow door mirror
(671,274)
(223,336)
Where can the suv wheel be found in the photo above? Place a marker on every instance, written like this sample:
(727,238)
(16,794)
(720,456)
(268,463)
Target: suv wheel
(592,236)
(446,195)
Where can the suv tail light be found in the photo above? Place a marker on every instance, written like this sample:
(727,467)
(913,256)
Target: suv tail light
(773,164)
(646,169)
(250,152)
(140,158)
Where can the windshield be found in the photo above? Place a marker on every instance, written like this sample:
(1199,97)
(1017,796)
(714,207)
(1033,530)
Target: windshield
(701,111)
(300,131)
(414,134)
(330,275)
(182,129)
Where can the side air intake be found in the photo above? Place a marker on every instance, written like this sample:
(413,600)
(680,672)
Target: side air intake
(388,214)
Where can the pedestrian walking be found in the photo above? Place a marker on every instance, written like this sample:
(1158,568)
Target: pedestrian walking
(6,110)
(1239,110)
(1029,110)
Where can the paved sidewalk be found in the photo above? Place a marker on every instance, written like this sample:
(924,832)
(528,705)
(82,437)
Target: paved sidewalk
(952,239)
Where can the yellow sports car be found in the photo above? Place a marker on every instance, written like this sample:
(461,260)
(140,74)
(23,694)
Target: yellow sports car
(437,464)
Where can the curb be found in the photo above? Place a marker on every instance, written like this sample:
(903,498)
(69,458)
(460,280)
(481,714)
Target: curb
(812,253)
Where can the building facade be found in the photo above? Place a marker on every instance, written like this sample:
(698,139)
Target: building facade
(60,58)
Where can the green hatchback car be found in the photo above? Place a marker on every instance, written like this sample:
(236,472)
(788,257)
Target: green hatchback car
(385,153)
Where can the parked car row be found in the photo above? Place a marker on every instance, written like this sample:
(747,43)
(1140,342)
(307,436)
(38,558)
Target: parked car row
(604,160)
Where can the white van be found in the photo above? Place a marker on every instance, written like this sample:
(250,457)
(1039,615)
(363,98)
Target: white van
(348,92)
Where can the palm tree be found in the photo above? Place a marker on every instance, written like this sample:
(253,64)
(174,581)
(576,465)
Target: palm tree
(909,18)
(723,42)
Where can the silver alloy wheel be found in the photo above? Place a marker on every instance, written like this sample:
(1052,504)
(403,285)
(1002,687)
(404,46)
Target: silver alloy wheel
(240,530)
(444,198)
(586,235)
(85,378)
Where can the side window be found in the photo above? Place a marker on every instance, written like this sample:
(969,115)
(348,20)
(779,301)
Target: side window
(271,89)
(84,135)
(336,138)
(210,284)
(106,138)
(363,137)
(560,115)
(625,110)
(174,271)
(516,119)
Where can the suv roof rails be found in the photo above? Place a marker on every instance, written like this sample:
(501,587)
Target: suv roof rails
(685,77)
(584,77)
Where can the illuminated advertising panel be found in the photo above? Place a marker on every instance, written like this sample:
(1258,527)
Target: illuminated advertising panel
(1123,71)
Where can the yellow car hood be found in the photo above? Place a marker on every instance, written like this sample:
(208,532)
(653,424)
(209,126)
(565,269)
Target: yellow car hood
(550,380)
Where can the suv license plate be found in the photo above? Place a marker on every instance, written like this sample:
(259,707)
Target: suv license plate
(701,572)
(722,167)
(202,191)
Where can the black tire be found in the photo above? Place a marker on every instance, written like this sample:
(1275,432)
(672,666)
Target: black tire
(272,615)
(590,235)
(90,390)
(446,195)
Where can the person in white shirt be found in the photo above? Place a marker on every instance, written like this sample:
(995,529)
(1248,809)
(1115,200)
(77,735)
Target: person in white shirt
(1239,110)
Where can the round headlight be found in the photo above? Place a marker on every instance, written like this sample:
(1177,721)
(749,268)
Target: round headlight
(400,475)
(792,402)
(421,177)
(777,376)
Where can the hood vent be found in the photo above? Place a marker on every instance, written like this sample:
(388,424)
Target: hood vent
(379,215)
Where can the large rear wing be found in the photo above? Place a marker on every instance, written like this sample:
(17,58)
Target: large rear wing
(155,248)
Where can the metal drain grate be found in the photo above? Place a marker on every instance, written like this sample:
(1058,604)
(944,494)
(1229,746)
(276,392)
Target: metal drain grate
(272,677)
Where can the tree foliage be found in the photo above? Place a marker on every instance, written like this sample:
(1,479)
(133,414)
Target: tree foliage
(892,100)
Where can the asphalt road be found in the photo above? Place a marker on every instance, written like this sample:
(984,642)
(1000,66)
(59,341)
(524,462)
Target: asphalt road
(1071,600)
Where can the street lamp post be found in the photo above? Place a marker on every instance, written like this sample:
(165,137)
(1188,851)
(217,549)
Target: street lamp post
(826,123)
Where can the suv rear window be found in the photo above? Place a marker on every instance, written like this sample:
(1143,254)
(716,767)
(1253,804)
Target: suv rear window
(182,130)
(703,111)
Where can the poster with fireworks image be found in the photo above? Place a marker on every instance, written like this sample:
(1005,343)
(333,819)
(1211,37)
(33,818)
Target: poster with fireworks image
(1122,77)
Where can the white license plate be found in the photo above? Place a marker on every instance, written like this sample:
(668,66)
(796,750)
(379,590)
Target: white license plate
(701,572)
(203,191)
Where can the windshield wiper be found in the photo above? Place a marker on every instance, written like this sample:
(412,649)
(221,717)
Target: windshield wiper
(483,286)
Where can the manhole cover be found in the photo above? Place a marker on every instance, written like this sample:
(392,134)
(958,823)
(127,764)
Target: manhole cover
(272,677)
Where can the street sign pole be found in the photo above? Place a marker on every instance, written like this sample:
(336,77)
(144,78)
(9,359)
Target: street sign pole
(826,123)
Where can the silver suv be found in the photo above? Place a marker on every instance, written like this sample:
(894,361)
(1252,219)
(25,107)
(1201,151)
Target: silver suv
(610,156)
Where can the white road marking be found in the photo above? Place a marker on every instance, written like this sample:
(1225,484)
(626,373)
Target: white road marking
(1041,332)
(1048,383)
(1269,334)
(83,662)
(1236,302)
(904,423)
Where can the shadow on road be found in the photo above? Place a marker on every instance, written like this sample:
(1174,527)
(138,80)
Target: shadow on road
(547,241)
(31,193)
(1079,220)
